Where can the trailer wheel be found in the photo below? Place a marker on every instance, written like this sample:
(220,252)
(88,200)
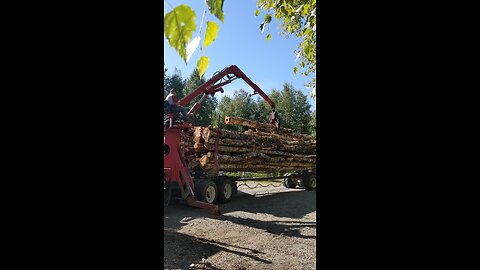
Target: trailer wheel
(226,190)
(288,182)
(206,191)
(310,181)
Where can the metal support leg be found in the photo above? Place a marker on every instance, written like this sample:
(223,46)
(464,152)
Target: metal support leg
(212,207)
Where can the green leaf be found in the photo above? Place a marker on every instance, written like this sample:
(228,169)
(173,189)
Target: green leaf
(305,9)
(262,26)
(308,50)
(216,8)
(202,65)
(295,70)
(268,18)
(179,25)
(288,9)
(257,13)
(306,31)
(269,37)
(278,15)
(210,34)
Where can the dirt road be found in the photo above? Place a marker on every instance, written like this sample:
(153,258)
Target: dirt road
(263,228)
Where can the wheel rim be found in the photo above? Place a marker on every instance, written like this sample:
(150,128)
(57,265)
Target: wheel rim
(313,182)
(290,182)
(227,191)
(210,194)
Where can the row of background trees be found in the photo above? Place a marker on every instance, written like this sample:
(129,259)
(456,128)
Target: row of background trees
(292,106)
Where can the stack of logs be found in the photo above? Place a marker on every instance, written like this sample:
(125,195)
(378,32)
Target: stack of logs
(270,150)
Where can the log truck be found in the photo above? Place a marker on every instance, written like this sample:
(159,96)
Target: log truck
(203,193)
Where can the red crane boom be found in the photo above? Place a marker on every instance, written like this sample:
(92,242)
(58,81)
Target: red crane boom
(215,84)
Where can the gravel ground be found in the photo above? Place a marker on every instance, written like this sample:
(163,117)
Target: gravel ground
(263,228)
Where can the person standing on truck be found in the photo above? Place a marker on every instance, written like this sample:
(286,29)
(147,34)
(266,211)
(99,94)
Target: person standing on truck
(171,105)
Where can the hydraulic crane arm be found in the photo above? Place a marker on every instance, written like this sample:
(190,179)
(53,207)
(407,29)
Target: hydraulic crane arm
(214,85)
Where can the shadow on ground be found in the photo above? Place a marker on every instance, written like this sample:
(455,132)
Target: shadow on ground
(291,204)
(192,249)
(291,229)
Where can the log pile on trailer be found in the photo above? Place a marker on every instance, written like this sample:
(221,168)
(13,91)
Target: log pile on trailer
(262,148)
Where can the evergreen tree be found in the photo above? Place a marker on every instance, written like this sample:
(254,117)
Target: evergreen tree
(313,124)
(293,110)
(241,105)
(203,116)
(224,108)
(301,113)
(174,81)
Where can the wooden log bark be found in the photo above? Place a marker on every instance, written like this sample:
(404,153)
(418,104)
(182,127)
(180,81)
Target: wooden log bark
(253,142)
(205,161)
(259,156)
(254,168)
(255,157)
(208,133)
(269,164)
(189,132)
(247,151)
(233,120)
(190,150)
(293,138)
(232,149)
(277,146)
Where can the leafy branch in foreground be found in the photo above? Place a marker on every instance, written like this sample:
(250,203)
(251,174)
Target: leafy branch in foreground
(297,18)
(179,26)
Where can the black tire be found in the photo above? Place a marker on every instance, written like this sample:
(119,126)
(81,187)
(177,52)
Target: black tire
(310,181)
(288,182)
(226,190)
(206,191)
(167,194)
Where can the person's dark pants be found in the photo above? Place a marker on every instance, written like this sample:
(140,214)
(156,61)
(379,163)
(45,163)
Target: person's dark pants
(183,111)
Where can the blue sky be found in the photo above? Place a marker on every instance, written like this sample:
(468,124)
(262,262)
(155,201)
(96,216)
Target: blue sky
(240,42)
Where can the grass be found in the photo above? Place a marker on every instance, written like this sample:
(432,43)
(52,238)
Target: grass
(250,174)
